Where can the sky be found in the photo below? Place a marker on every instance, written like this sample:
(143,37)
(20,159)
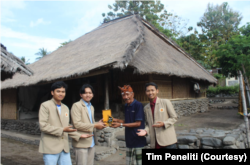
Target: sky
(27,26)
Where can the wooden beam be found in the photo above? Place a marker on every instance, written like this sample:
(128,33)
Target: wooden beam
(94,73)
(106,103)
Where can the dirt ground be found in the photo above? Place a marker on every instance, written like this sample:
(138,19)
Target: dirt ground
(226,119)
(18,153)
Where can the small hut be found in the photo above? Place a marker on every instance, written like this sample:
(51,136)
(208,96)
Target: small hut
(128,50)
(10,65)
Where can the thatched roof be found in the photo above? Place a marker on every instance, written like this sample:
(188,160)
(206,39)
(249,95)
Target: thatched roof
(10,64)
(129,41)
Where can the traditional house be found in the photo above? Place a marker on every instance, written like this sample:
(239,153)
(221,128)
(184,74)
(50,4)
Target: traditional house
(11,65)
(127,50)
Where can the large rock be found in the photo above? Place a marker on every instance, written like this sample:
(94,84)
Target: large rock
(208,141)
(186,139)
(206,147)
(229,140)
(219,135)
(180,146)
(230,147)
(121,137)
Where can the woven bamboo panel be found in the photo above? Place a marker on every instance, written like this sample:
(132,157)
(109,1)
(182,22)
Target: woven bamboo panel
(1,106)
(180,88)
(9,104)
(165,89)
(139,91)
(9,111)
(1,97)
(1,111)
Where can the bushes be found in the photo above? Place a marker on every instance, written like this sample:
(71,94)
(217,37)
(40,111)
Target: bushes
(225,90)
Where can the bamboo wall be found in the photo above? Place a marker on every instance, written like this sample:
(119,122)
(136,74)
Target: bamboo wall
(9,104)
(1,104)
(170,87)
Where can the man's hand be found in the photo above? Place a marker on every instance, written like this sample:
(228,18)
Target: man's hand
(141,132)
(100,121)
(100,125)
(115,120)
(115,125)
(69,129)
(86,136)
(158,124)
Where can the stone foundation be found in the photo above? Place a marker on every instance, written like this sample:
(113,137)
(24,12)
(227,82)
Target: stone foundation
(205,138)
(189,107)
(22,126)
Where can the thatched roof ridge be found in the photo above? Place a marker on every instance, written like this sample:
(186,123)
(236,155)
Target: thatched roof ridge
(11,64)
(175,45)
(118,44)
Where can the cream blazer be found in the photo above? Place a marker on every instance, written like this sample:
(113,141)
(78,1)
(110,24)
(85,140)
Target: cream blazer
(53,140)
(81,121)
(164,112)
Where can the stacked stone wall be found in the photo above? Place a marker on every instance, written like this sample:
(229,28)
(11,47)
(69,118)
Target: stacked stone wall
(27,127)
(189,107)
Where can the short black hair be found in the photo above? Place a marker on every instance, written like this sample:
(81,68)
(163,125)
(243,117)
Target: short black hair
(59,84)
(151,83)
(82,90)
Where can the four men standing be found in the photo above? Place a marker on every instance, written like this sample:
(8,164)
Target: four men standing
(159,117)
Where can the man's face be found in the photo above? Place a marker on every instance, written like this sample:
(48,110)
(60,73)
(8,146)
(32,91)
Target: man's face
(58,94)
(128,97)
(151,92)
(88,95)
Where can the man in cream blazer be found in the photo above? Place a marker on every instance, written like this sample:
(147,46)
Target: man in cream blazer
(82,114)
(160,118)
(54,126)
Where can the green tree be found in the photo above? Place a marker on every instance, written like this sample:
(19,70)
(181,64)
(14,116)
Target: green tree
(169,24)
(175,24)
(24,60)
(64,43)
(192,44)
(234,54)
(41,53)
(218,24)
(245,30)
(146,9)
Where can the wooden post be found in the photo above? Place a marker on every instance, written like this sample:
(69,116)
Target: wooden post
(244,108)
(106,103)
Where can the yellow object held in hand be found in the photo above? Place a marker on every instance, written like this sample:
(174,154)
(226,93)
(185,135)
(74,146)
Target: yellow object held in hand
(107,117)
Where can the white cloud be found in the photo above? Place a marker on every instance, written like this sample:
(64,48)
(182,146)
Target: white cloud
(37,22)
(21,40)
(6,9)
(91,19)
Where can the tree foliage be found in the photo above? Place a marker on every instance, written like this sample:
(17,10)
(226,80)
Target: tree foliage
(26,62)
(64,43)
(167,23)
(175,24)
(41,53)
(146,9)
(218,24)
(245,30)
(233,54)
